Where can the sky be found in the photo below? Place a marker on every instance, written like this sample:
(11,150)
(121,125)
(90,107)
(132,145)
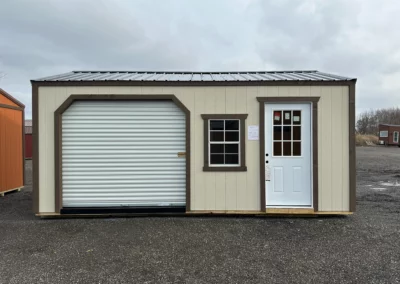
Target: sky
(352,38)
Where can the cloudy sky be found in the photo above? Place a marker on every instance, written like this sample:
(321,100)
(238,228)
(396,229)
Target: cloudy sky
(355,38)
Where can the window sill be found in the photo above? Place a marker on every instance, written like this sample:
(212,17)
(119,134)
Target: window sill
(225,169)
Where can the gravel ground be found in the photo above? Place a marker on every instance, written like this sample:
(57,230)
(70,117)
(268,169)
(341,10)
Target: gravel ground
(362,248)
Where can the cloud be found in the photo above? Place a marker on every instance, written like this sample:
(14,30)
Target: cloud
(352,38)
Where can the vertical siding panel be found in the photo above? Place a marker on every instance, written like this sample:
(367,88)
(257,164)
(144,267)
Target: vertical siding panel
(294,91)
(200,201)
(252,199)
(104,90)
(305,91)
(230,177)
(187,97)
(43,162)
(241,177)
(210,108)
(283,91)
(316,92)
(220,177)
(337,146)
(326,153)
(11,167)
(272,92)
(2,142)
(345,150)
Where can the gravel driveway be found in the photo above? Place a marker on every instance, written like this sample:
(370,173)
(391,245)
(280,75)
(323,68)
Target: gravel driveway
(362,248)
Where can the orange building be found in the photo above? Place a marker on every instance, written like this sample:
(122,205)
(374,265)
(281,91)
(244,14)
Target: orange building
(12,130)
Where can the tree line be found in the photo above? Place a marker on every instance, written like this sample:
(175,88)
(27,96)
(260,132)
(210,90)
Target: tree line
(368,121)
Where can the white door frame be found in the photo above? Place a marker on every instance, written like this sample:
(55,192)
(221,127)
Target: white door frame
(314,142)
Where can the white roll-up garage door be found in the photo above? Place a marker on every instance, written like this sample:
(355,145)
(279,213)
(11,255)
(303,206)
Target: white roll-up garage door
(123,153)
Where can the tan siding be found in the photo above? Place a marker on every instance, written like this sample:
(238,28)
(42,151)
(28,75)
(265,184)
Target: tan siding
(230,177)
(345,150)
(223,191)
(337,146)
(315,91)
(241,177)
(187,97)
(199,181)
(252,200)
(220,177)
(211,178)
(325,183)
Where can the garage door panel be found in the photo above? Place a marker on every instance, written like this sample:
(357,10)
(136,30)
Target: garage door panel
(123,154)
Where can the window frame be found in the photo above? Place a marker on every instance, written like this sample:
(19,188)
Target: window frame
(291,140)
(241,166)
(385,131)
(397,140)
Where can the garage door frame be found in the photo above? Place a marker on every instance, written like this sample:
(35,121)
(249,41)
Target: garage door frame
(58,135)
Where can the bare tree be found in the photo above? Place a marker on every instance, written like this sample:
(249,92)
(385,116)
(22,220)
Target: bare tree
(368,121)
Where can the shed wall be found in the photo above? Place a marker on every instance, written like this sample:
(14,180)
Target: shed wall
(223,190)
(7,101)
(28,146)
(11,151)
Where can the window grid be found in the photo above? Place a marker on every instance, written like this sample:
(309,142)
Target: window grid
(281,124)
(223,143)
(396,136)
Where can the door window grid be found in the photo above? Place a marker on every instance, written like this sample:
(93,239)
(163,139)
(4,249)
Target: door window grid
(286,138)
(224,142)
(396,137)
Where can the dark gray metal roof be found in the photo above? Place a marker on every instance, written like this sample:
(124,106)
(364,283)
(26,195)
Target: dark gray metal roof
(169,76)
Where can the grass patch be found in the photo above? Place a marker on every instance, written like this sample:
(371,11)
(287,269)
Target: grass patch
(366,140)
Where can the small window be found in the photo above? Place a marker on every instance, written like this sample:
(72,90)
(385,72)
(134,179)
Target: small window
(383,134)
(286,136)
(396,137)
(224,142)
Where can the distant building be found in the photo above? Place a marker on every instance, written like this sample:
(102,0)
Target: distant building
(28,139)
(389,134)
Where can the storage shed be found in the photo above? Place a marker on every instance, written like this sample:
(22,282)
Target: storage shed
(389,134)
(11,143)
(28,139)
(194,142)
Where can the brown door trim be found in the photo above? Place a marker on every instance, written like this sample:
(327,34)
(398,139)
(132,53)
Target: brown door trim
(314,130)
(58,134)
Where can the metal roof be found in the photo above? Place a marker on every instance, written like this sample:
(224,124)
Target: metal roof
(170,76)
(11,98)
(384,124)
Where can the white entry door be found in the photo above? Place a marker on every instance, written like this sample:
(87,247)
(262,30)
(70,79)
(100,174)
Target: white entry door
(288,155)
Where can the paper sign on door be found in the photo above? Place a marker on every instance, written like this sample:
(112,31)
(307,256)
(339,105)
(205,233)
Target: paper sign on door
(267,173)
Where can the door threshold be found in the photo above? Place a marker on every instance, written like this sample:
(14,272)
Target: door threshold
(290,210)
(289,207)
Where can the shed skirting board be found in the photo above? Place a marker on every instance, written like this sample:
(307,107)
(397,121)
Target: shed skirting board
(291,212)
(223,192)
